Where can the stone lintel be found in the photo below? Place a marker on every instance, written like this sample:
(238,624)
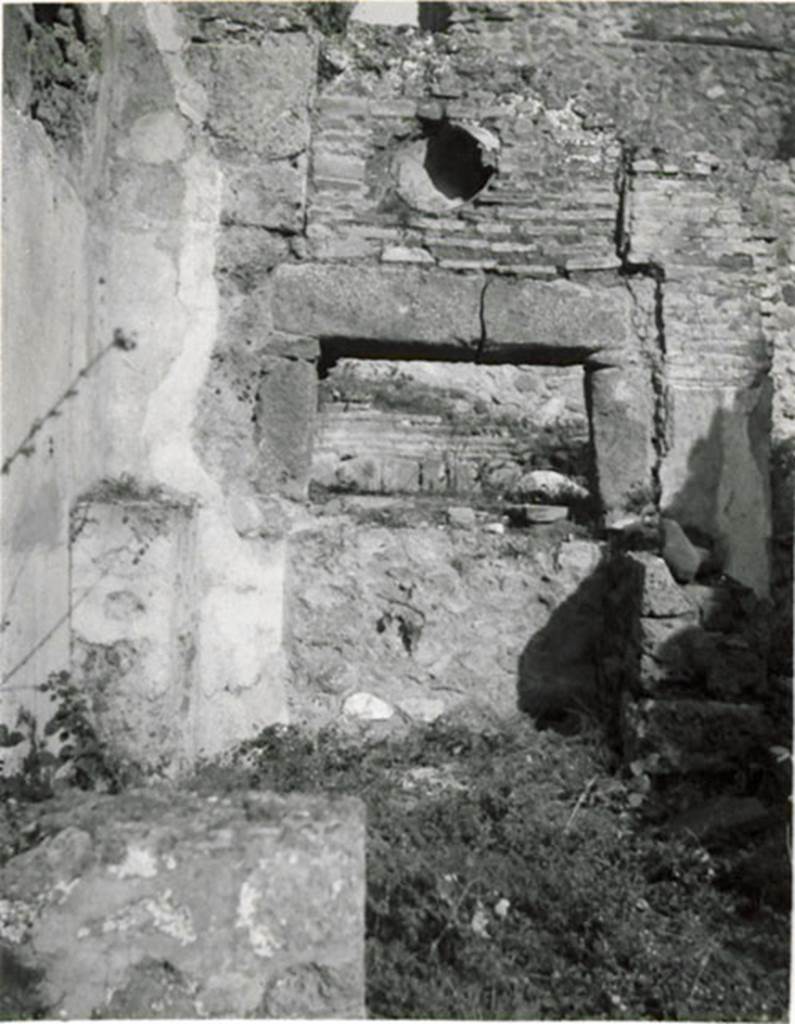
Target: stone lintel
(394,305)
(554,321)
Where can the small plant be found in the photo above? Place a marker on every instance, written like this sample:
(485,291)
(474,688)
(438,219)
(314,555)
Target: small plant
(331,18)
(639,500)
(120,340)
(33,781)
(82,759)
(85,757)
(125,487)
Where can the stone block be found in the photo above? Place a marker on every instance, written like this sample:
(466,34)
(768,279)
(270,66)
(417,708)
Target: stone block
(367,474)
(558,320)
(673,651)
(682,736)
(133,634)
(293,345)
(578,560)
(461,516)
(405,254)
(244,258)
(622,404)
(276,75)
(549,486)
(678,653)
(382,304)
(367,707)
(286,410)
(650,580)
(164,904)
(268,195)
(536,515)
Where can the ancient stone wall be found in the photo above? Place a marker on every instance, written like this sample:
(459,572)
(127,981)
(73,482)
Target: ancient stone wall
(602,192)
(638,167)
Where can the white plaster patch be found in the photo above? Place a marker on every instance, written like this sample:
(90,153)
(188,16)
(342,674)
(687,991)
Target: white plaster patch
(262,940)
(155,138)
(138,863)
(171,919)
(62,889)
(131,916)
(167,428)
(164,25)
(240,631)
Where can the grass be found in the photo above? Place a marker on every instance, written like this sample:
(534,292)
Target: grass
(509,878)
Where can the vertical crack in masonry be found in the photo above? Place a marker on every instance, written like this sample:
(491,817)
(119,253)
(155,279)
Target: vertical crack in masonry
(481,313)
(623,173)
(660,386)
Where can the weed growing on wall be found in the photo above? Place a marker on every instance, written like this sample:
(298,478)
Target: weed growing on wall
(87,759)
(508,877)
(27,447)
(79,758)
(330,18)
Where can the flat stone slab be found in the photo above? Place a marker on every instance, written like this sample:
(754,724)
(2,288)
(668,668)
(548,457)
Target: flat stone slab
(169,904)
(396,305)
(557,321)
(561,320)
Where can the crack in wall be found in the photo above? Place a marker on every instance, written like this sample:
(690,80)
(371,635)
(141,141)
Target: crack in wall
(749,43)
(483,339)
(623,173)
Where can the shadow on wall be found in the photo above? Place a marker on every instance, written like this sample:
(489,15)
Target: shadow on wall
(724,501)
(557,668)
(782,483)
(590,648)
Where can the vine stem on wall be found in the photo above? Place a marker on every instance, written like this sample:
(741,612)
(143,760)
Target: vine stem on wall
(26,447)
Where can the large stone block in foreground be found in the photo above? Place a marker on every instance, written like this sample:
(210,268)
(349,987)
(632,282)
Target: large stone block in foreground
(160,904)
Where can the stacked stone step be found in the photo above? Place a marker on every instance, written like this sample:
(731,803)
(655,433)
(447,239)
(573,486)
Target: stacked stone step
(685,669)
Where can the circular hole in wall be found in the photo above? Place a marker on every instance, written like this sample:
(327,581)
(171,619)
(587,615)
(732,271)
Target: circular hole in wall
(450,165)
